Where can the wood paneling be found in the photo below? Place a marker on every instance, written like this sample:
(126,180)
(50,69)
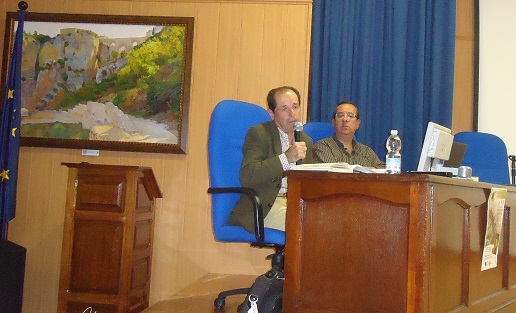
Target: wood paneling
(463,86)
(242,49)
(394,243)
(107,254)
(463,95)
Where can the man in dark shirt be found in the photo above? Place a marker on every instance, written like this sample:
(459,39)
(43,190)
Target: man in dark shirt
(341,147)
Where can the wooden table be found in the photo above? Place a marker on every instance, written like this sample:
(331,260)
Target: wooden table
(394,243)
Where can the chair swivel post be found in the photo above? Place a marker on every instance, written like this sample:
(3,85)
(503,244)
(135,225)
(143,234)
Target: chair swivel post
(278,257)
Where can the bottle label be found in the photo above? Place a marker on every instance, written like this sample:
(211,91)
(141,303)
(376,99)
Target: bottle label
(393,165)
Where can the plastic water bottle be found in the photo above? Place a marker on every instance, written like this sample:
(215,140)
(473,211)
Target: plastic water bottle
(393,157)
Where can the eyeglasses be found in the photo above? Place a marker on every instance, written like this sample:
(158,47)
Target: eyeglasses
(342,115)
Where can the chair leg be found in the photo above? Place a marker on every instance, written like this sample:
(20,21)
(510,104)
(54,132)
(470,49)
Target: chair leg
(277,262)
(220,302)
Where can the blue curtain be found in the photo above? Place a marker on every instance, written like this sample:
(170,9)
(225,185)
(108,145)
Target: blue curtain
(394,59)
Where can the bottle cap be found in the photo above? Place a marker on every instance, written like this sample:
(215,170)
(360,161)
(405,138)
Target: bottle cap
(394,132)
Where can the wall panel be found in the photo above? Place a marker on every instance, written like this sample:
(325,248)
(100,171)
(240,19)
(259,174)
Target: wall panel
(242,49)
(464,67)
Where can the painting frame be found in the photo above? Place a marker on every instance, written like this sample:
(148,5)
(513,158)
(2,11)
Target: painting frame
(178,116)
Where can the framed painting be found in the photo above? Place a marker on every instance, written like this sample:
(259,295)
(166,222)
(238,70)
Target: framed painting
(104,82)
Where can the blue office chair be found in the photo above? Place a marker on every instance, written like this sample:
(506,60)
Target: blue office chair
(319,130)
(229,124)
(487,155)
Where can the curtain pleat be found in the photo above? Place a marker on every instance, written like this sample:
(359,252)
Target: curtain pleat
(394,59)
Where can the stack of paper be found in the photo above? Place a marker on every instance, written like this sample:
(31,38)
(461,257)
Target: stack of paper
(340,167)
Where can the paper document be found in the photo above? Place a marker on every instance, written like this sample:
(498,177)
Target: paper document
(340,167)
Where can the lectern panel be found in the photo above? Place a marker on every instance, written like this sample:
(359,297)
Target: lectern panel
(140,273)
(511,243)
(81,307)
(137,301)
(356,246)
(96,256)
(144,202)
(448,241)
(101,193)
(483,284)
(142,234)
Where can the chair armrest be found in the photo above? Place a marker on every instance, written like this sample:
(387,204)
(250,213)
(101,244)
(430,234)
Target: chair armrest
(257,207)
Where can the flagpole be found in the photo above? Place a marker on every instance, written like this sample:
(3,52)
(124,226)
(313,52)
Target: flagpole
(10,129)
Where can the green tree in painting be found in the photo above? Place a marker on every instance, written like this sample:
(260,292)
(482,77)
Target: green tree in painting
(155,67)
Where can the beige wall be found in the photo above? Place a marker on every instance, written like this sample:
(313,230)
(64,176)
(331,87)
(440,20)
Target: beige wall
(464,67)
(242,49)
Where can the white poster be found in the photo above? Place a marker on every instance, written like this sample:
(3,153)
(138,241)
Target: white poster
(495,208)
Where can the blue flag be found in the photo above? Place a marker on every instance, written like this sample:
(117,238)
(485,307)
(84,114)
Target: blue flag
(10,131)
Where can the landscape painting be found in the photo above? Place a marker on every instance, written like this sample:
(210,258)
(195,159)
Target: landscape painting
(104,82)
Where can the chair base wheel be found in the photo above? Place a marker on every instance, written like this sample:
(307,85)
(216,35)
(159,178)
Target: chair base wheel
(219,303)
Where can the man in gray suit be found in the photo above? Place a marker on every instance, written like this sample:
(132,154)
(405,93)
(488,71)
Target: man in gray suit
(270,150)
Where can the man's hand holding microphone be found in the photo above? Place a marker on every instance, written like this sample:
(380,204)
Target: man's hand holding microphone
(297,151)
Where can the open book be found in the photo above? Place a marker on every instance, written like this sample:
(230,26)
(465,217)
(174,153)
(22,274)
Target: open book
(340,167)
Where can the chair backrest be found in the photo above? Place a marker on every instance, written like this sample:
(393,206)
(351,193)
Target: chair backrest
(319,130)
(487,155)
(230,121)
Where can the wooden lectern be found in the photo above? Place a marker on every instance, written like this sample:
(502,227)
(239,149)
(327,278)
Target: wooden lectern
(394,243)
(107,239)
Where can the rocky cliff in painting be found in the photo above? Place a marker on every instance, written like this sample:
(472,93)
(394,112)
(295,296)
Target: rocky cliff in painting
(65,63)
(78,69)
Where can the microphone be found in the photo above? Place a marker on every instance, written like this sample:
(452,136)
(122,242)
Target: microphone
(298,128)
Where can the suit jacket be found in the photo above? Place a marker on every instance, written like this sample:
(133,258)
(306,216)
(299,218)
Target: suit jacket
(262,170)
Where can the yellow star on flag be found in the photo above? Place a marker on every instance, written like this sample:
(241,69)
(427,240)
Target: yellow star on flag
(4,174)
(10,94)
